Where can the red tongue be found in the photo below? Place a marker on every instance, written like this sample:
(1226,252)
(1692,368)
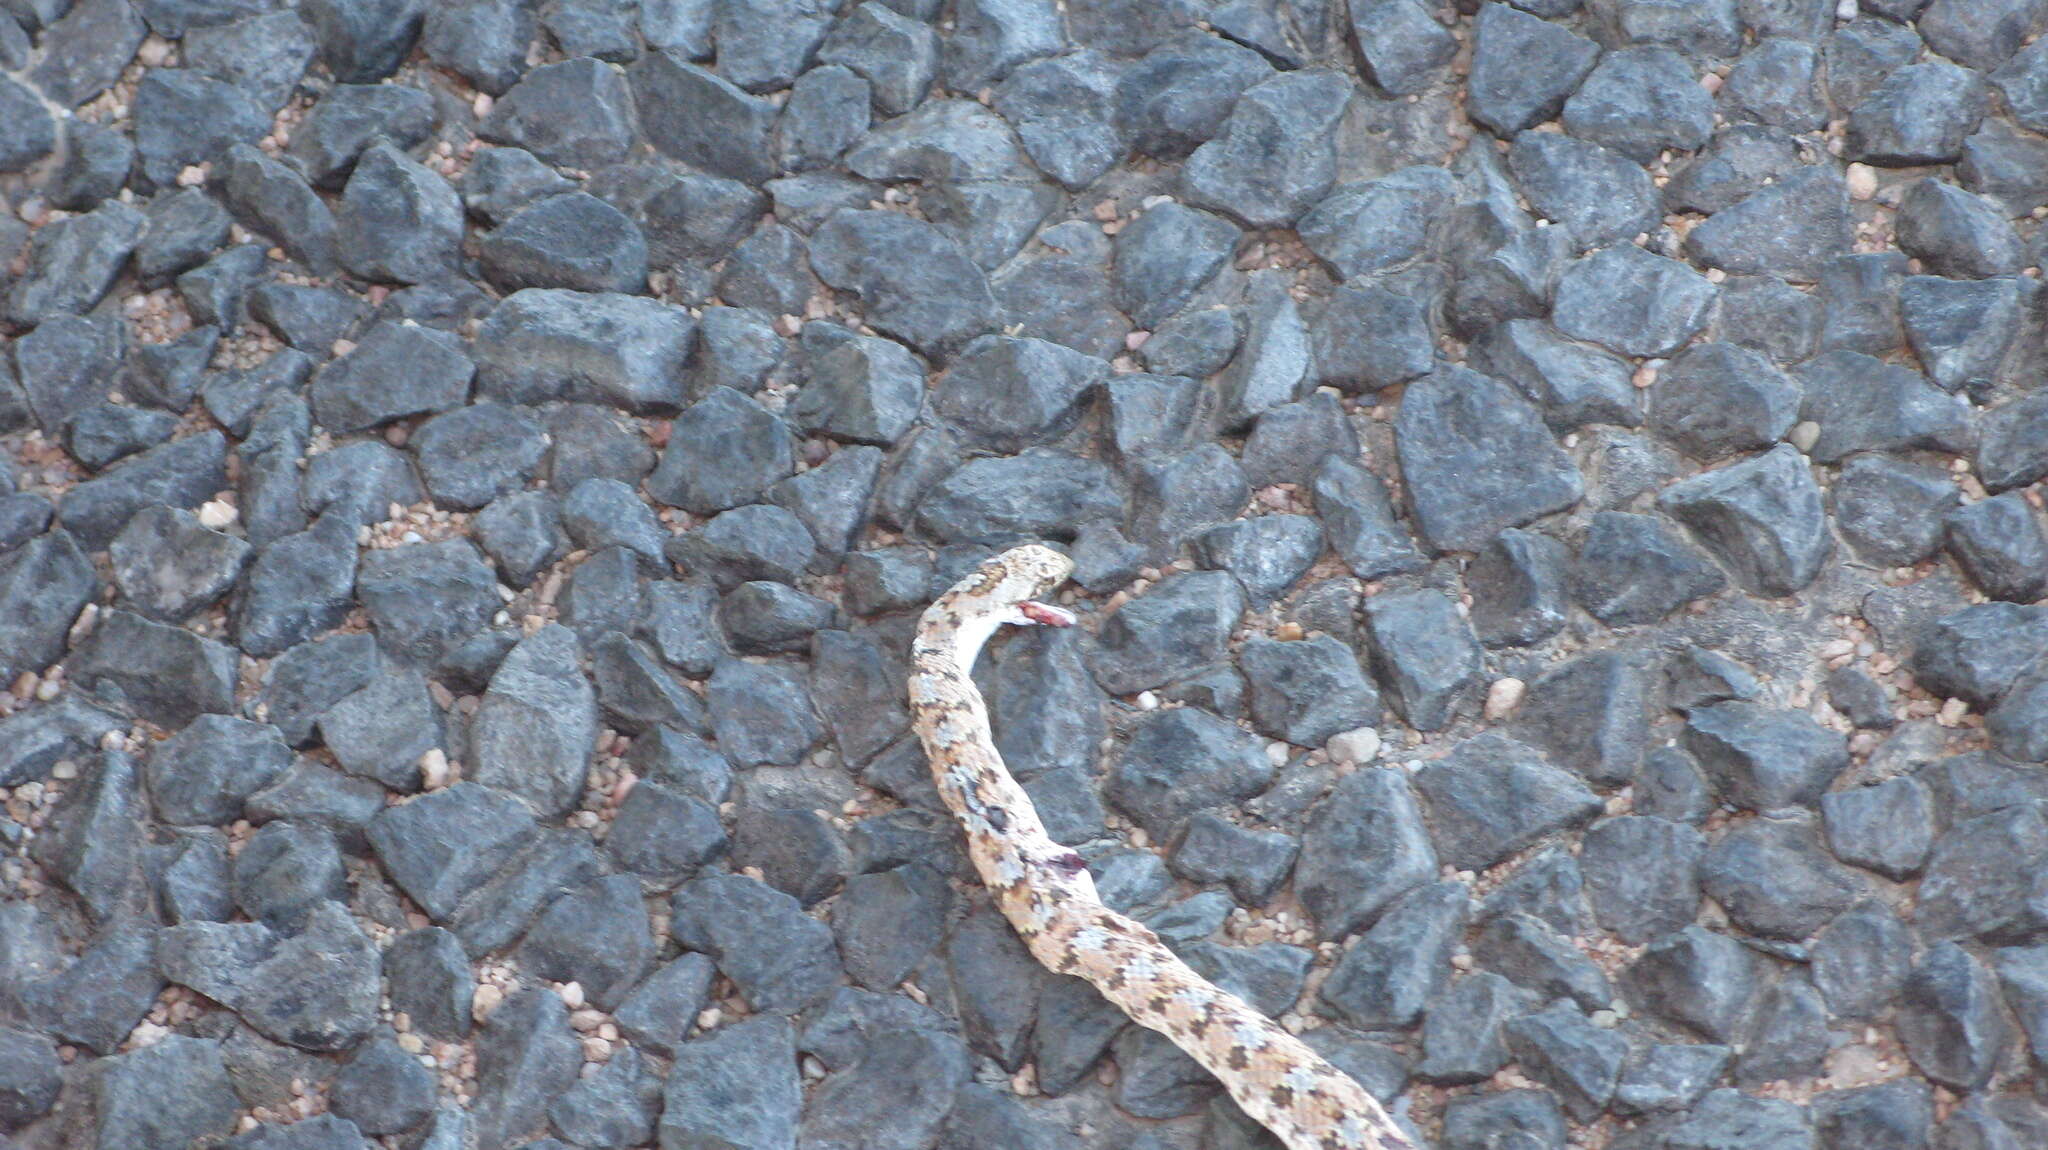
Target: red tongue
(1045,613)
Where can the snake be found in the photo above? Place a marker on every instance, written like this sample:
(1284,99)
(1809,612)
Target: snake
(1046,893)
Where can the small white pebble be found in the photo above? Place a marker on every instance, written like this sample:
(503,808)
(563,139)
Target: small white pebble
(1361,745)
(1804,435)
(1277,753)
(1862,180)
(1504,696)
(434,769)
(1147,701)
(485,1000)
(217,514)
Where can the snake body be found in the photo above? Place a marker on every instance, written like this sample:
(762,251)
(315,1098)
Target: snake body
(1048,896)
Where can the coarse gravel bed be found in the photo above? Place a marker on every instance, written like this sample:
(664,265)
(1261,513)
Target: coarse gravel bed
(1556,491)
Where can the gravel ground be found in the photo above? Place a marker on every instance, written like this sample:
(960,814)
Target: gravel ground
(1556,491)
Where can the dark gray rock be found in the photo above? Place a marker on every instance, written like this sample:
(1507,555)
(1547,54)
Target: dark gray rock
(1890,511)
(94,848)
(472,455)
(604,348)
(1919,114)
(914,281)
(30,1078)
(440,847)
(596,936)
(395,371)
(1267,554)
(1036,493)
(752,450)
(897,56)
(1362,848)
(167,565)
(1766,314)
(1276,155)
(758,541)
(1401,45)
(1949,1019)
(1888,828)
(1425,654)
(1764,759)
(1789,228)
(272,197)
(1178,96)
(1858,695)
(864,389)
(1352,229)
(30,133)
(1523,68)
(1366,338)
(1957,233)
(95,166)
(1165,256)
(1574,383)
(779,958)
(1602,195)
(527,1056)
(534,732)
(202,774)
(1589,714)
(1304,692)
(425,598)
(1960,330)
(363,41)
(702,119)
(1542,960)
(315,988)
(1493,796)
(736,1085)
(1976,653)
(1360,520)
(1698,979)
(382,1089)
(157,672)
(1642,875)
(1005,394)
(576,114)
(522,533)
(1999,545)
(1775,879)
(382,730)
(1761,517)
(172,1093)
(349,118)
(1635,569)
(574,242)
(1385,980)
(296,587)
(185,228)
(1063,111)
(183,117)
(502,180)
(827,112)
(761,713)
(1632,301)
(1640,100)
(1975,883)
(2010,448)
(1561,1048)
(1181,761)
(431,982)
(762,618)
(1517,584)
(1477,459)
(44,583)
(286,867)
(1180,624)
(399,220)
(1861,959)
(1716,399)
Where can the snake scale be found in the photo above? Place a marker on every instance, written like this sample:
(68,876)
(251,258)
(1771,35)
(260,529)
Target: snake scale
(1048,896)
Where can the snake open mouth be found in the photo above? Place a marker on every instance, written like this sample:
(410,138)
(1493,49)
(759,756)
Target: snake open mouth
(1046,614)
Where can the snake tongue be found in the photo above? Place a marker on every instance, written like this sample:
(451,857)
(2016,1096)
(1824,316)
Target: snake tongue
(1045,613)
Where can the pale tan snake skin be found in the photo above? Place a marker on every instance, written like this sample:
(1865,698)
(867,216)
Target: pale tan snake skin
(1044,889)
